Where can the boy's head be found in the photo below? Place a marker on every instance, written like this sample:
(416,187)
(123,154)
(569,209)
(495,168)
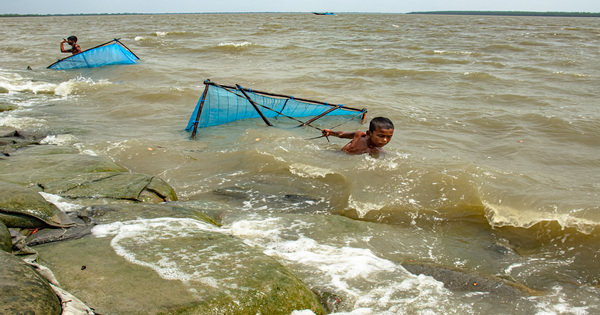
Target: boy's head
(72,39)
(380,122)
(380,131)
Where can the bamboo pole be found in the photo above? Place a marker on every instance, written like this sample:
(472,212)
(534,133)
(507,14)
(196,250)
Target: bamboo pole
(117,39)
(199,111)
(288,96)
(321,115)
(254,104)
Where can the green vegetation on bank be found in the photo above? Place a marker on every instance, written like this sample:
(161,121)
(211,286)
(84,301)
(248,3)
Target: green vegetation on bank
(513,13)
(74,14)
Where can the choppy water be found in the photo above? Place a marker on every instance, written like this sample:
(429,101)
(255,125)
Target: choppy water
(494,166)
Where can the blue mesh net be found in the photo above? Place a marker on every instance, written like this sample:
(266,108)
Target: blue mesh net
(109,54)
(224,105)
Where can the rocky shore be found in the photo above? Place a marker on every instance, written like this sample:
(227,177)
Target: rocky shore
(54,264)
(81,261)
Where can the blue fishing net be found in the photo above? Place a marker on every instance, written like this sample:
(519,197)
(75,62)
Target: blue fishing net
(109,54)
(226,104)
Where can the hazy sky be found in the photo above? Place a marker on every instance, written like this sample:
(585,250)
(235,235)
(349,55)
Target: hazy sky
(195,6)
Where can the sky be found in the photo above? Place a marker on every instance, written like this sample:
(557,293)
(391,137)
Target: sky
(202,6)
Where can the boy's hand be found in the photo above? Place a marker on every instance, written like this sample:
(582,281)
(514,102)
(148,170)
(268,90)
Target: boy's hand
(326,132)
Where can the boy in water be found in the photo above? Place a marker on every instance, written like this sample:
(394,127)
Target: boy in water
(71,40)
(380,133)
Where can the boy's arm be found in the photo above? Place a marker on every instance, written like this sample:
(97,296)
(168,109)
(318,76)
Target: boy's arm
(339,134)
(62,47)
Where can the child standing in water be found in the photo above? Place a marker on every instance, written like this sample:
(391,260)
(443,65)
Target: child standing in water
(71,40)
(380,133)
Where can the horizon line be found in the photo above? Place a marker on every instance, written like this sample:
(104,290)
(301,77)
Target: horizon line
(465,12)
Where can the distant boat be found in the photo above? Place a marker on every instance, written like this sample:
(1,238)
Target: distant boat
(110,53)
(323,13)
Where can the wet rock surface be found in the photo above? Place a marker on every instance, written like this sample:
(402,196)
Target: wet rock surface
(24,291)
(23,207)
(11,139)
(461,280)
(120,273)
(117,274)
(5,238)
(64,172)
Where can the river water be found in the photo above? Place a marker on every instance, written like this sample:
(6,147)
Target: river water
(494,165)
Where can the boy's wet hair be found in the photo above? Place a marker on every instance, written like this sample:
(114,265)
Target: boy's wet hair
(73,38)
(381,122)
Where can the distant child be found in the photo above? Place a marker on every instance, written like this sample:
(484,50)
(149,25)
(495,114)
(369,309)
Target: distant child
(380,133)
(71,40)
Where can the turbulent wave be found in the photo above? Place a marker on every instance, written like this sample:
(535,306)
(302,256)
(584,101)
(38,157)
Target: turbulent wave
(395,73)
(455,53)
(231,46)
(501,216)
(14,82)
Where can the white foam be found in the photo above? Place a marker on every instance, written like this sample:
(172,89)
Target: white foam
(308,171)
(361,277)
(556,303)
(363,207)
(244,44)
(60,202)
(15,83)
(142,242)
(83,150)
(71,86)
(64,139)
(20,122)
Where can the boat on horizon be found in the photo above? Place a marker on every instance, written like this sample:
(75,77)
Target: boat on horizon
(323,13)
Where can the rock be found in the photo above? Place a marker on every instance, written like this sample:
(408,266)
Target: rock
(174,265)
(24,291)
(61,171)
(460,280)
(234,192)
(6,132)
(111,185)
(5,238)
(214,209)
(11,139)
(20,248)
(104,214)
(158,187)
(86,218)
(22,207)
(300,198)
(79,230)
(46,163)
